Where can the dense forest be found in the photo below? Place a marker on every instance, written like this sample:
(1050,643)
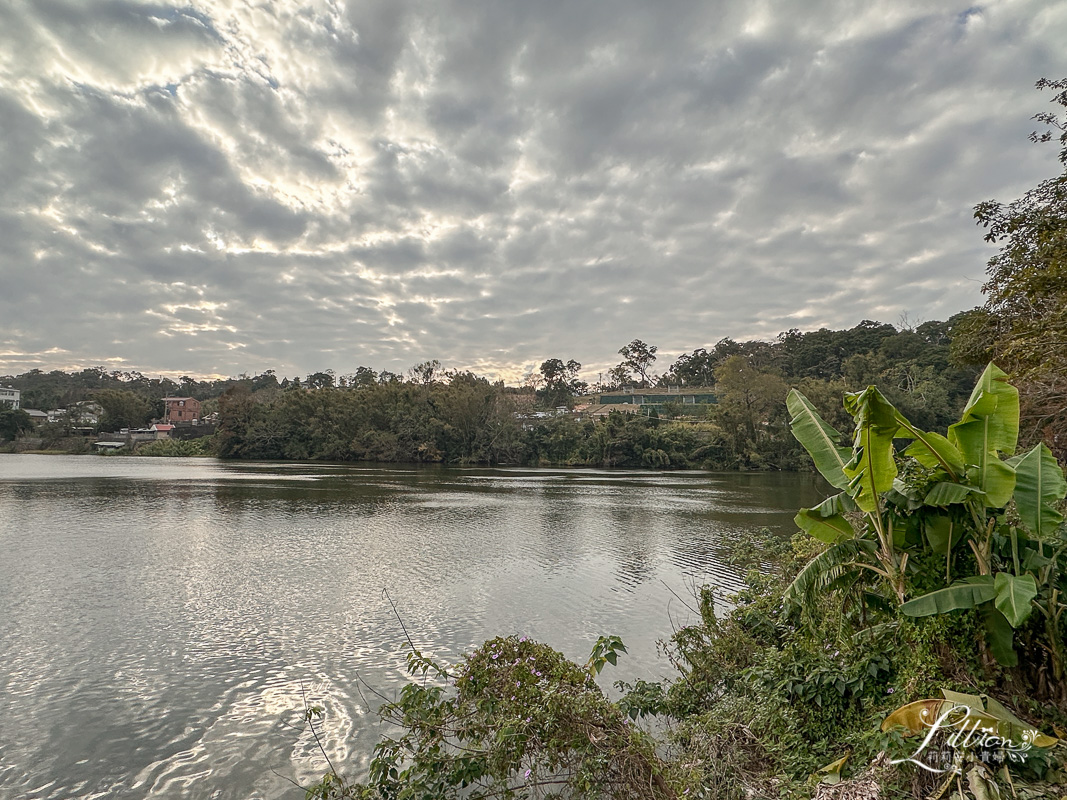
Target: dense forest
(436,415)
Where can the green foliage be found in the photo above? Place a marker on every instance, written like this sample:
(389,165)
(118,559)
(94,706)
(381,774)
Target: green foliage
(14,422)
(123,409)
(967,593)
(605,651)
(638,358)
(775,699)
(642,699)
(1039,485)
(819,439)
(872,469)
(1023,324)
(828,529)
(940,495)
(560,383)
(515,719)
(750,412)
(176,448)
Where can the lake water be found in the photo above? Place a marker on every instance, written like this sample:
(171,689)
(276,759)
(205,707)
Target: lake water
(162,620)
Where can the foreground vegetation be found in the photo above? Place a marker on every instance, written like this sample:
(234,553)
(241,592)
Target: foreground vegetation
(936,576)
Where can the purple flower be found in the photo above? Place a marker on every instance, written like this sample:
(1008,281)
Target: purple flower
(522,639)
(527,775)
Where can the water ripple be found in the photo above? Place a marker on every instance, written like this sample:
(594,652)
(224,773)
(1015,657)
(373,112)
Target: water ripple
(164,621)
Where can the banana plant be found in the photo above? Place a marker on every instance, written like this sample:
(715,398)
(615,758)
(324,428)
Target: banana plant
(940,492)
(865,472)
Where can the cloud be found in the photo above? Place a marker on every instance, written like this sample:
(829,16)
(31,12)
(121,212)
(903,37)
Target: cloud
(225,187)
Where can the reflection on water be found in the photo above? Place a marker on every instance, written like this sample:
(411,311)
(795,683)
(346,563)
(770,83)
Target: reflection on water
(161,620)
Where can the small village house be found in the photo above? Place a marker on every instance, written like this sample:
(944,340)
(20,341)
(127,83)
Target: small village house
(181,410)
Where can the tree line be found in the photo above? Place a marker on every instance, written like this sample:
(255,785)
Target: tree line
(431,414)
(435,415)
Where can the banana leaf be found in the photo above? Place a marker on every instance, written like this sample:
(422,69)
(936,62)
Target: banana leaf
(871,469)
(831,773)
(915,718)
(1039,484)
(1004,421)
(840,503)
(1013,596)
(994,477)
(946,493)
(933,450)
(826,529)
(968,593)
(827,567)
(999,635)
(990,426)
(819,438)
(942,532)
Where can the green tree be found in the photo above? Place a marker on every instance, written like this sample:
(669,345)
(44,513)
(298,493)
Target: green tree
(425,373)
(14,422)
(320,380)
(1023,324)
(692,369)
(362,378)
(749,410)
(560,382)
(618,376)
(639,357)
(123,409)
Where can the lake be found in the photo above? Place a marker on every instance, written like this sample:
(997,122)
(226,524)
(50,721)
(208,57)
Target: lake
(163,620)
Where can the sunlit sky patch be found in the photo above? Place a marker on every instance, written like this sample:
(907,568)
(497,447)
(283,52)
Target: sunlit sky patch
(226,187)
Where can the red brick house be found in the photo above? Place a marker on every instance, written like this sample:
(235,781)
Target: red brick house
(181,409)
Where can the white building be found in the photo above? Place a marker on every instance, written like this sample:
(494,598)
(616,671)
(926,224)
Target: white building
(9,398)
(83,413)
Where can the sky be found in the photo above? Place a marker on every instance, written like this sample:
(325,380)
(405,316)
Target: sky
(230,186)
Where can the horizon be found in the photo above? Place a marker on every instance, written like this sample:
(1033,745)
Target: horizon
(585,375)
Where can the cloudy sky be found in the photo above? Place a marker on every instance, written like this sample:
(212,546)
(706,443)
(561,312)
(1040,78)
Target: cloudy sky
(231,186)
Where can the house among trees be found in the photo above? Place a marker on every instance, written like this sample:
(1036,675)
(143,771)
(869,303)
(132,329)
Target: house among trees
(693,400)
(83,413)
(181,410)
(9,398)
